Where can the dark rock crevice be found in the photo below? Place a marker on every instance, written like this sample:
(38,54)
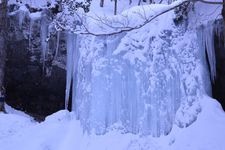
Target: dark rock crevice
(218,86)
(28,88)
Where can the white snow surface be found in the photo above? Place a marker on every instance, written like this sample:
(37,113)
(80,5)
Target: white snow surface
(61,131)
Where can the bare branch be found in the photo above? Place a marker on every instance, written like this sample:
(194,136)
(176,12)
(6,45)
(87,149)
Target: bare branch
(136,27)
(124,27)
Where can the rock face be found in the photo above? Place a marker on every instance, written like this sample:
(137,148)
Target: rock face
(27,88)
(3,24)
(31,88)
(218,87)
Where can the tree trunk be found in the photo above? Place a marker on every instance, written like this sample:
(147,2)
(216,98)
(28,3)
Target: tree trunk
(115,7)
(3,27)
(101,3)
(130,1)
(223,10)
(139,2)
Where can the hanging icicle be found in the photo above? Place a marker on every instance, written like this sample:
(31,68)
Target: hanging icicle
(23,12)
(69,66)
(206,37)
(44,37)
(57,43)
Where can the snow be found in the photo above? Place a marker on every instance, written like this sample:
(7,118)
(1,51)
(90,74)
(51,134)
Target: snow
(13,111)
(61,131)
(35,16)
(100,21)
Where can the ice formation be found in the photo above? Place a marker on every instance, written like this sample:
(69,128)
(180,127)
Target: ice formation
(206,38)
(44,36)
(57,43)
(69,66)
(22,13)
(134,82)
(141,82)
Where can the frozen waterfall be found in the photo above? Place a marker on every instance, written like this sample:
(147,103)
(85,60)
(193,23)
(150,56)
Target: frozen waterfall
(135,85)
(138,82)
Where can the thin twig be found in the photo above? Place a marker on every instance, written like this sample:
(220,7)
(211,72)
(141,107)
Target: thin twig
(136,27)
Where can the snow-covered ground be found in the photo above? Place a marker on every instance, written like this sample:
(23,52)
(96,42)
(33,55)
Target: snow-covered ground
(61,131)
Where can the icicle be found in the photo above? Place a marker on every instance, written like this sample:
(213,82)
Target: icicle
(206,36)
(44,36)
(211,50)
(22,15)
(30,34)
(21,19)
(75,69)
(57,44)
(70,45)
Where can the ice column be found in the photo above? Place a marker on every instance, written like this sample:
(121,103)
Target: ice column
(69,66)
(57,44)
(44,36)
(206,37)
(23,12)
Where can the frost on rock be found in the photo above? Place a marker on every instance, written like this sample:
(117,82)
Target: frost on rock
(136,82)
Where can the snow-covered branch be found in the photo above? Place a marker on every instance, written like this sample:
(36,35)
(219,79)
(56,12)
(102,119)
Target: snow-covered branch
(115,26)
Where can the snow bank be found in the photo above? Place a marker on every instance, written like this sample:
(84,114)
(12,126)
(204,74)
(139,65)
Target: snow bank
(61,131)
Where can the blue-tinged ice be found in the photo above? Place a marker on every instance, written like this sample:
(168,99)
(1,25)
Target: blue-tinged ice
(137,85)
(70,43)
(206,35)
(44,36)
(22,14)
(57,43)
(141,82)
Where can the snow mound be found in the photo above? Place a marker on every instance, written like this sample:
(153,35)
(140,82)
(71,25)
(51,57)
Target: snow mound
(62,115)
(17,132)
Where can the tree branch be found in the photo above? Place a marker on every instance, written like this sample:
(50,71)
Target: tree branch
(148,20)
(136,27)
